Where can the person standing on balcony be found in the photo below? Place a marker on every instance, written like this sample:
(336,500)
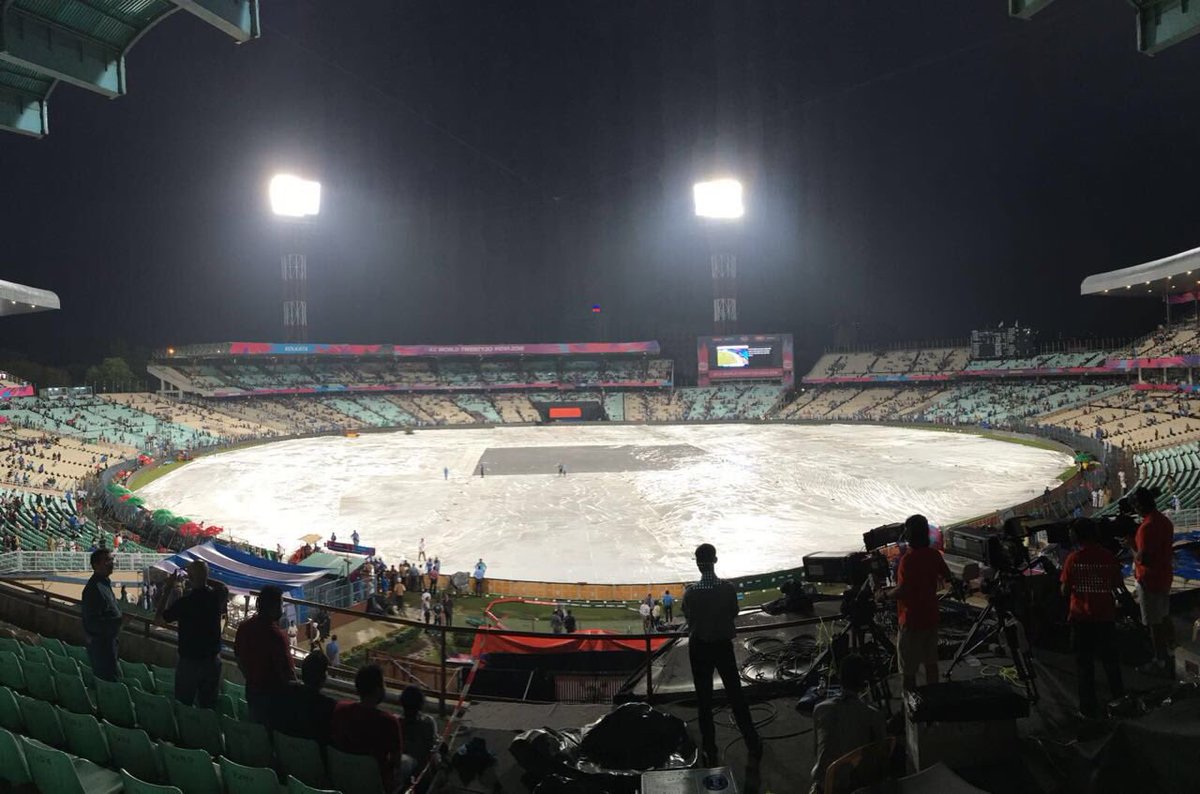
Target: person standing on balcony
(102,617)
(710,607)
(199,614)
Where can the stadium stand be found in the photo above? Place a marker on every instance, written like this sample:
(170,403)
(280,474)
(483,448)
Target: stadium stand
(996,403)
(926,361)
(1134,419)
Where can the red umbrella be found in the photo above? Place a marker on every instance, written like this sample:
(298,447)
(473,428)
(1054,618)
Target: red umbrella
(190,528)
(212,531)
(125,497)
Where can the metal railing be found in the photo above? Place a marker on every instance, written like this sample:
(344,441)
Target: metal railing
(19,562)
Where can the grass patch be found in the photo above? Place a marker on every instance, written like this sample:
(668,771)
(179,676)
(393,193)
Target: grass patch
(1068,473)
(146,476)
(397,643)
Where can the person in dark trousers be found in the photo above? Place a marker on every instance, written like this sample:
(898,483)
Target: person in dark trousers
(1090,576)
(569,624)
(102,617)
(264,655)
(710,606)
(302,711)
(199,614)
(668,604)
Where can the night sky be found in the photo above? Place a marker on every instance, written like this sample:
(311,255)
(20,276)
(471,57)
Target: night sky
(492,169)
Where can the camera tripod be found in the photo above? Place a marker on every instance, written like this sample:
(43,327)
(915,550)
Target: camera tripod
(858,609)
(1009,631)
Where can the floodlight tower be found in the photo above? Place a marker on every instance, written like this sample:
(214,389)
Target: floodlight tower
(719,202)
(297,202)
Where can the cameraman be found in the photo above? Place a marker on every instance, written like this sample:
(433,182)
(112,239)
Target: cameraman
(1153,567)
(1090,576)
(916,595)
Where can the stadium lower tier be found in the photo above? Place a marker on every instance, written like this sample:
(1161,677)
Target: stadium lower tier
(53,445)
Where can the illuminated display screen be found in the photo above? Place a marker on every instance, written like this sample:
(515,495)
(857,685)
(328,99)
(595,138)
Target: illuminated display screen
(566,412)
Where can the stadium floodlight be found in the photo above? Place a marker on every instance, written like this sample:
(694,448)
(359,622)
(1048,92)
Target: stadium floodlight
(719,198)
(294,197)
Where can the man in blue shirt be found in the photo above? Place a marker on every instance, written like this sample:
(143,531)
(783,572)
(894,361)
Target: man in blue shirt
(102,617)
(333,651)
(480,570)
(668,604)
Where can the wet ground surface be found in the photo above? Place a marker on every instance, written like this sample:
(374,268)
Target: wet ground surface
(634,504)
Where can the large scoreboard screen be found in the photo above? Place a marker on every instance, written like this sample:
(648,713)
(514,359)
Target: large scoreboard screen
(752,357)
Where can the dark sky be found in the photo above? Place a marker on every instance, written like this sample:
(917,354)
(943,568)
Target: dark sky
(492,169)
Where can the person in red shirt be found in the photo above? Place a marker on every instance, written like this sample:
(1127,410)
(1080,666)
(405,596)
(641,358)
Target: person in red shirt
(1090,576)
(916,593)
(365,729)
(1153,567)
(264,655)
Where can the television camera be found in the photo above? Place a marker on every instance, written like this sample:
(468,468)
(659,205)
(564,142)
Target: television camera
(860,572)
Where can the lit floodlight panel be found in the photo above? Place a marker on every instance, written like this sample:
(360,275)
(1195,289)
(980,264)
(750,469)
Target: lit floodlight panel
(294,197)
(720,198)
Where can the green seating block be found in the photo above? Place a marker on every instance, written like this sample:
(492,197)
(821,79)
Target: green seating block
(135,785)
(85,737)
(39,681)
(200,729)
(72,694)
(10,711)
(155,715)
(12,674)
(241,779)
(55,771)
(191,770)
(352,772)
(132,749)
(115,704)
(246,743)
(300,758)
(41,721)
(13,768)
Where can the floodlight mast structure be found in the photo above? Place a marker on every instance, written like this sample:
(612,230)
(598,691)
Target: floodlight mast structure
(296,202)
(719,201)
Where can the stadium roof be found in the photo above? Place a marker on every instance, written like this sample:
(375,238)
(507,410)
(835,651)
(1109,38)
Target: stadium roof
(1176,273)
(84,42)
(19,299)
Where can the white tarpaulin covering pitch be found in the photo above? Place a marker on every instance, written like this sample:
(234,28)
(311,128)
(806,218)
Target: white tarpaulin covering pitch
(635,501)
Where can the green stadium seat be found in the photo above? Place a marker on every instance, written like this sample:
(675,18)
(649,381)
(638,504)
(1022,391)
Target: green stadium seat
(191,770)
(200,729)
(353,772)
(246,743)
(85,737)
(300,758)
(72,694)
(12,646)
(295,786)
(133,749)
(241,779)
(12,675)
(136,671)
(10,711)
(115,704)
(41,721)
(36,653)
(13,769)
(164,680)
(226,706)
(243,710)
(155,714)
(232,689)
(39,681)
(64,664)
(54,646)
(135,785)
(55,771)
(79,654)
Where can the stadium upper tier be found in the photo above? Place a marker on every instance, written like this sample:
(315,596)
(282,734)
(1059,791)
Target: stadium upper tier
(216,378)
